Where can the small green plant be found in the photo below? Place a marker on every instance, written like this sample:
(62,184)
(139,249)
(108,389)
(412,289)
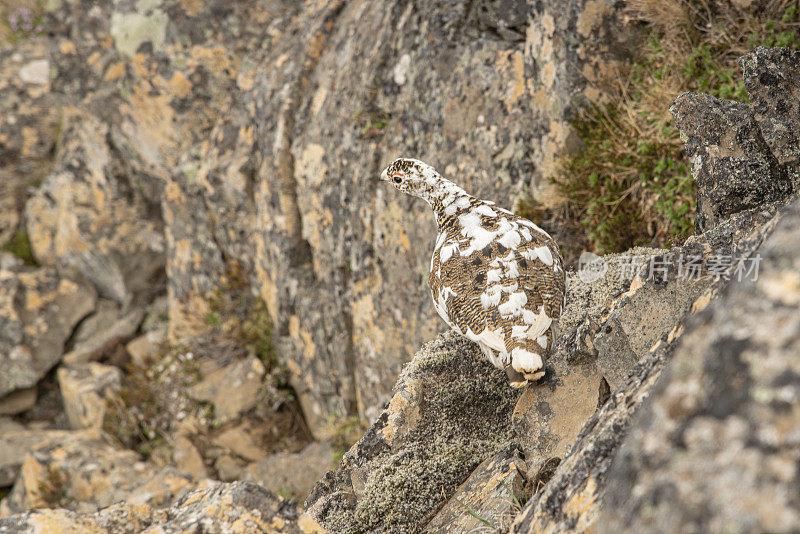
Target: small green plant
(213,319)
(475,514)
(20,246)
(54,489)
(372,121)
(344,433)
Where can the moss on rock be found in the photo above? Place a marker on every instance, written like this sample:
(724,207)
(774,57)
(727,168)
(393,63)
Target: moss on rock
(451,410)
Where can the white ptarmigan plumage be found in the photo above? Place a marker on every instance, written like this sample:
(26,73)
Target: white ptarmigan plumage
(495,277)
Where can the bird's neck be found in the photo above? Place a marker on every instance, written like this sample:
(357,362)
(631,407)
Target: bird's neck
(444,199)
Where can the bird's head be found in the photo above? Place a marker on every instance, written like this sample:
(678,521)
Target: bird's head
(412,176)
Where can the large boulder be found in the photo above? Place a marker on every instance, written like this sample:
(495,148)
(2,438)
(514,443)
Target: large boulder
(38,311)
(716,446)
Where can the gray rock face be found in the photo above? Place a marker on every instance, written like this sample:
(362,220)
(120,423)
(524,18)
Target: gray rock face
(728,402)
(772,78)
(731,162)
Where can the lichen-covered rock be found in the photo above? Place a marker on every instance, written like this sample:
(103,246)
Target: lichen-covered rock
(81,217)
(83,470)
(242,507)
(743,156)
(572,497)
(490,497)
(731,163)
(38,311)
(85,388)
(728,402)
(451,410)
(772,79)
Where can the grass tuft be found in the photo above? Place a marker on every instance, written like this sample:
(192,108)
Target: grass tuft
(630,183)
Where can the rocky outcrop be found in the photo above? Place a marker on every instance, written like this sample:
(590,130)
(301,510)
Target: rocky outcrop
(240,507)
(451,410)
(744,155)
(38,311)
(715,447)
(194,150)
(772,80)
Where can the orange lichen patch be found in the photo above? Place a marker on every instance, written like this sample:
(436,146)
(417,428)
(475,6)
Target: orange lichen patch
(67,47)
(316,46)
(94,60)
(406,244)
(140,65)
(172,192)
(510,64)
(268,290)
(114,72)
(675,333)
(179,85)
(191,7)
(404,413)
(591,17)
(701,303)
(309,349)
(319,100)
(583,505)
(30,139)
(217,59)
(246,79)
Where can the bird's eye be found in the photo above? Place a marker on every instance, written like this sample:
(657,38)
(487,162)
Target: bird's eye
(397,179)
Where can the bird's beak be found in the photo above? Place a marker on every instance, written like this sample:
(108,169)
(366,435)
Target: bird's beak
(385,175)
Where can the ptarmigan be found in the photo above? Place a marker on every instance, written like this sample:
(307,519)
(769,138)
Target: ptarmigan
(496,278)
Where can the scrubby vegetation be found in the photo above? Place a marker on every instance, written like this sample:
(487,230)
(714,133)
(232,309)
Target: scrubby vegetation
(154,398)
(20,246)
(630,183)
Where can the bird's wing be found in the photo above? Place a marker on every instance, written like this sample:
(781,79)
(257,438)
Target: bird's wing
(541,270)
(463,280)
